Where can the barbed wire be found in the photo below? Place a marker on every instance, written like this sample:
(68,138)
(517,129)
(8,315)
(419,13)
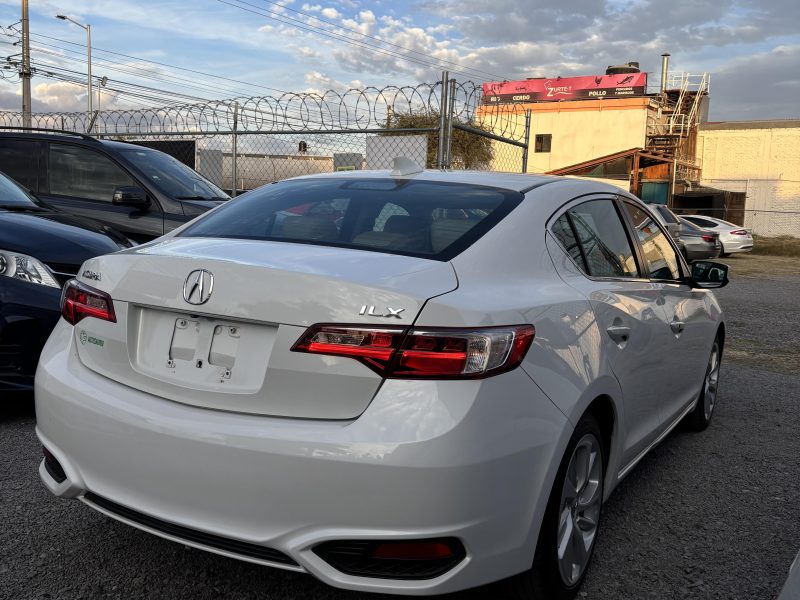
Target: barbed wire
(351,110)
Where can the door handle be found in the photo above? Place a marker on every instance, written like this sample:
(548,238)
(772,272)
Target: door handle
(619,333)
(677,326)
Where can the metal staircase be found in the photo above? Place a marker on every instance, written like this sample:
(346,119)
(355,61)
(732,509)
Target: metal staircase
(679,112)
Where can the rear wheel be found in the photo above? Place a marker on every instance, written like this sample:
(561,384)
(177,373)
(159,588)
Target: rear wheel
(701,416)
(571,522)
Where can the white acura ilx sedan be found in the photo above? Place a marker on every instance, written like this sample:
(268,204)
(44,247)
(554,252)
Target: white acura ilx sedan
(410,382)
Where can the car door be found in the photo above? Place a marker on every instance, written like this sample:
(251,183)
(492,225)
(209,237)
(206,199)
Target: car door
(625,304)
(689,328)
(81,181)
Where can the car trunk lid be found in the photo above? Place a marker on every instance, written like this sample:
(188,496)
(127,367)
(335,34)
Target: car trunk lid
(232,351)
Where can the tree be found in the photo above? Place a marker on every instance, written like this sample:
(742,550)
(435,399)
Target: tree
(468,150)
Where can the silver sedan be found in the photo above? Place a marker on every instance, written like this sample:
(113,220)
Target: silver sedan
(734,238)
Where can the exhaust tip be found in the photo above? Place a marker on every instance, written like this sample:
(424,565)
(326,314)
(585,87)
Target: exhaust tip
(53,467)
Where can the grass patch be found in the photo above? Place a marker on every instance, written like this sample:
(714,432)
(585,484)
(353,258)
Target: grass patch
(784,245)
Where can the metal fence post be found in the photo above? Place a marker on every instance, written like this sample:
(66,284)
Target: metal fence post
(443,104)
(234,143)
(451,103)
(527,141)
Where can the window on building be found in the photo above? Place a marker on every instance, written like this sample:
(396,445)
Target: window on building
(543,142)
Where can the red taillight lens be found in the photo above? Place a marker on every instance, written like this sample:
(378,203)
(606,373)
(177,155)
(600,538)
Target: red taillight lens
(423,353)
(79,301)
(738,232)
(708,238)
(374,347)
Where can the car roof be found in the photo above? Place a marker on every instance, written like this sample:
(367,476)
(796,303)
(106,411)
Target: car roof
(517,182)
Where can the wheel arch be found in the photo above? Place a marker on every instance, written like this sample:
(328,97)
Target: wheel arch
(603,411)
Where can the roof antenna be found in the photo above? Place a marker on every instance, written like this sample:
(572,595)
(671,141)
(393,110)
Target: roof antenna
(404,166)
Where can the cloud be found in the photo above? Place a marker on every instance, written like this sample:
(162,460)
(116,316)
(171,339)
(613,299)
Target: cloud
(746,45)
(743,87)
(330,13)
(61,96)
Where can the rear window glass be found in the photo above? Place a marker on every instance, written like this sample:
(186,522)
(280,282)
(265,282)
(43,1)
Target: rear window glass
(416,218)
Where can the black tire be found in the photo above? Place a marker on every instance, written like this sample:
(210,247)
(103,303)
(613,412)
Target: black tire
(700,418)
(543,581)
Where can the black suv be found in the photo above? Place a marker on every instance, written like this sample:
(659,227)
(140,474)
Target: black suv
(138,191)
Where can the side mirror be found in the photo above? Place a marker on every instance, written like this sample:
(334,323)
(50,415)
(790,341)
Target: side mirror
(130,195)
(674,230)
(707,275)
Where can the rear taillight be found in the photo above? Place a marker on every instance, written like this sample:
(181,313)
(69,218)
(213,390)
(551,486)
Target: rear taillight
(429,353)
(738,232)
(708,238)
(79,301)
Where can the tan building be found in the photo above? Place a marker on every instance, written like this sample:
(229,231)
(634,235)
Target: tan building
(644,143)
(761,161)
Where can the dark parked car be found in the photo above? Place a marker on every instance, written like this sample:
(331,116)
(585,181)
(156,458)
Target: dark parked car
(694,243)
(141,192)
(40,249)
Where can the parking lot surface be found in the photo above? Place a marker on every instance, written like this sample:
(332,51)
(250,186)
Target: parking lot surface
(709,516)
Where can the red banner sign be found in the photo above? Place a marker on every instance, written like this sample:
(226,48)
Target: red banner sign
(565,88)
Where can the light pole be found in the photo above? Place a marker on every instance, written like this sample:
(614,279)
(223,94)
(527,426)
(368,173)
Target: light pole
(101,83)
(88,29)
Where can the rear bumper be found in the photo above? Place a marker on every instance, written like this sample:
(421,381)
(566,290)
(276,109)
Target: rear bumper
(28,313)
(702,252)
(472,460)
(735,246)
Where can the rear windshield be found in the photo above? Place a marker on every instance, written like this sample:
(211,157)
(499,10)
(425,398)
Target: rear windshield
(428,219)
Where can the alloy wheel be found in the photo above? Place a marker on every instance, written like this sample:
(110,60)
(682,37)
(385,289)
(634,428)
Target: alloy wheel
(579,509)
(711,382)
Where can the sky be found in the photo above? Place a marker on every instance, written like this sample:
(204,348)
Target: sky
(231,48)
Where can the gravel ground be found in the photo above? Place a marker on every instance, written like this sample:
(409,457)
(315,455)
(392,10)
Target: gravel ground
(706,516)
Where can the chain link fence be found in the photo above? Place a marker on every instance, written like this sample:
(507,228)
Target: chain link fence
(243,143)
(773,223)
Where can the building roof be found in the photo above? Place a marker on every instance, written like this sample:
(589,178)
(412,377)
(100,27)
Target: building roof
(647,157)
(765,124)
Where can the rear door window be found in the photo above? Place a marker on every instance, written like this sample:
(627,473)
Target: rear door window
(82,173)
(418,218)
(595,237)
(19,159)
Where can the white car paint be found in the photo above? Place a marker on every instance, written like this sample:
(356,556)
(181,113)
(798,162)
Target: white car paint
(731,244)
(296,449)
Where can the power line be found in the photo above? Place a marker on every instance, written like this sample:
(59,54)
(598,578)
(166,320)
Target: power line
(136,71)
(377,39)
(127,69)
(330,34)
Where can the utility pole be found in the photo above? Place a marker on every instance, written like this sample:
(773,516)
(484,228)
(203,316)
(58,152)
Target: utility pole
(25,67)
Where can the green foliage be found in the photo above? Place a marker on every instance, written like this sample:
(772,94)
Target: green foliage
(468,150)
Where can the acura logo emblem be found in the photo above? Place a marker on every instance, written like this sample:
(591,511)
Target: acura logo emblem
(198,287)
